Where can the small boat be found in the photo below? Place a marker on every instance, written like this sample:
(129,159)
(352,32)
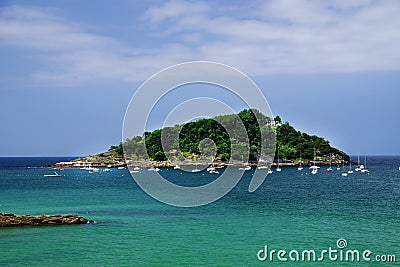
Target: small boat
(300,168)
(244,168)
(106,170)
(52,175)
(350,171)
(177,167)
(196,169)
(260,163)
(278,169)
(314,168)
(358,168)
(136,169)
(133,171)
(270,171)
(330,164)
(121,168)
(211,168)
(364,167)
(247,168)
(262,167)
(344,173)
(154,169)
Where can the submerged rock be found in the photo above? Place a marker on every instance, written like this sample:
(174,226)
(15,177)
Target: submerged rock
(10,219)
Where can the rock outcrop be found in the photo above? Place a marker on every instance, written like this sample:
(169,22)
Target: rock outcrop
(9,219)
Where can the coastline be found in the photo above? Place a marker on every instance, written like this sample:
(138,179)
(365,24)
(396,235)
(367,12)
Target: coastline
(93,161)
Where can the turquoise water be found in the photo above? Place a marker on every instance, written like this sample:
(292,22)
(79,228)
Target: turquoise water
(291,210)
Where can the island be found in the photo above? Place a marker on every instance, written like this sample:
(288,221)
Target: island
(289,146)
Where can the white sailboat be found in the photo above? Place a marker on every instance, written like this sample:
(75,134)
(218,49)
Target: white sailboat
(244,167)
(196,169)
(344,173)
(260,161)
(330,164)
(314,168)
(364,169)
(350,171)
(262,167)
(278,169)
(338,168)
(358,168)
(300,168)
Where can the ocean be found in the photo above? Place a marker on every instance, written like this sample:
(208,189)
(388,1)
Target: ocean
(293,211)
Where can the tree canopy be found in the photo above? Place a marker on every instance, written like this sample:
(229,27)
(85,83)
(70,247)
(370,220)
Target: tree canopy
(226,137)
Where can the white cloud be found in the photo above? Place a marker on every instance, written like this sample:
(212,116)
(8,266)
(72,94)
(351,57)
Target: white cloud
(272,37)
(174,9)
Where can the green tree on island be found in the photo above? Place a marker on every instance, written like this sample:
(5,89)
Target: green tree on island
(289,141)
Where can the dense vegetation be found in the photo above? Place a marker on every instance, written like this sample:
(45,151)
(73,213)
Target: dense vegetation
(216,137)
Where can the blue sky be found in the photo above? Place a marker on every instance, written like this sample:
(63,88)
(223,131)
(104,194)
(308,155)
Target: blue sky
(69,68)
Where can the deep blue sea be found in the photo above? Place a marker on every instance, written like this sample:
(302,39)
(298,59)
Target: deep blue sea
(291,211)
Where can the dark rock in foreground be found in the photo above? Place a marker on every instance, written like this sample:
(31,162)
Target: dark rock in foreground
(9,219)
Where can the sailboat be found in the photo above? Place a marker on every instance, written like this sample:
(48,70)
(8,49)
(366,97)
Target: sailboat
(314,168)
(278,169)
(244,168)
(364,167)
(300,168)
(350,171)
(338,168)
(344,173)
(330,164)
(195,169)
(260,167)
(358,163)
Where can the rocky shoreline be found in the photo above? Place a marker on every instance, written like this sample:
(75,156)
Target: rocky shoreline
(12,220)
(105,160)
